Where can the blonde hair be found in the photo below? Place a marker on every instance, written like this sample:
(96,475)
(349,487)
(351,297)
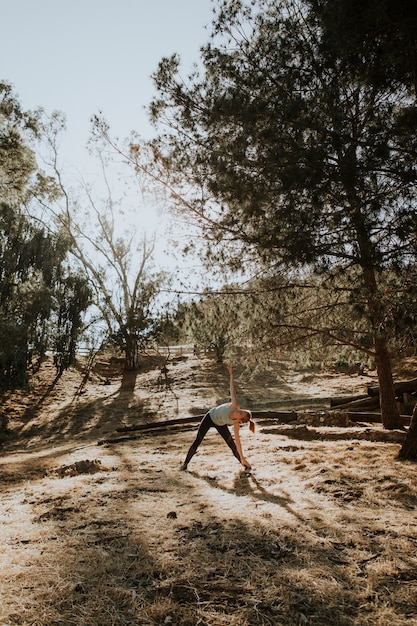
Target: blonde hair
(248,418)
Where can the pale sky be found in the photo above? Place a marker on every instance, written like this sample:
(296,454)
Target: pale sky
(85,56)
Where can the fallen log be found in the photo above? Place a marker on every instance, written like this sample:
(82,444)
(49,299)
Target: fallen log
(364,434)
(399,387)
(164,424)
(367,402)
(359,416)
(284,416)
(374,418)
(340,400)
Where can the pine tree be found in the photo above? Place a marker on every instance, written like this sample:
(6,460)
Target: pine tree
(294,156)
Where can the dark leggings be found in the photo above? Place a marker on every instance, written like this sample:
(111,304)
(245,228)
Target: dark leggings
(205,425)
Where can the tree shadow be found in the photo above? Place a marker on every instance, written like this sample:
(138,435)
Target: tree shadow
(246,484)
(31,411)
(105,563)
(78,418)
(126,390)
(246,554)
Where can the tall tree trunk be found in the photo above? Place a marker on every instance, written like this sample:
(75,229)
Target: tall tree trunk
(131,353)
(408,450)
(389,410)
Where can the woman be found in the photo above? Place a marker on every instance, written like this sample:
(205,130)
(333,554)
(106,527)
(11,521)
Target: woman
(221,417)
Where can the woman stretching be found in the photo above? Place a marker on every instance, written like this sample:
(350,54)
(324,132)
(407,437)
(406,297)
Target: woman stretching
(221,417)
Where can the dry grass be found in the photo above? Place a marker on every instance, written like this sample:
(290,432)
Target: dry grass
(322,532)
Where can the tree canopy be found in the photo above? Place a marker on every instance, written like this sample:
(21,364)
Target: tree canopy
(378,38)
(41,301)
(288,151)
(111,248)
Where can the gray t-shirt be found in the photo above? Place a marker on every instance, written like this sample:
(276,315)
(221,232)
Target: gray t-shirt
(220,414)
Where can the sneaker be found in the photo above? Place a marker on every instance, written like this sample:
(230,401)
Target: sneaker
(182,467)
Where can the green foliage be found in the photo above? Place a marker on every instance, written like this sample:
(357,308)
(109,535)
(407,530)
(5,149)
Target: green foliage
(218,323)
(377,39)
(134,323)
(169,328)
(34,276)
(114,252)
(323,320)
(296,157)
(17,160)
(32,283)
(73,296)
(305,164)
(209,328)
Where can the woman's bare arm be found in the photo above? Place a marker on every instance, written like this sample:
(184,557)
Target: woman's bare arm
(233,397)
(244,461)
(236,427)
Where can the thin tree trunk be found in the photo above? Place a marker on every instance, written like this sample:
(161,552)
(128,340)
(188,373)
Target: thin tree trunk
(408,450)
(389,410)
(376,314)
(131,353)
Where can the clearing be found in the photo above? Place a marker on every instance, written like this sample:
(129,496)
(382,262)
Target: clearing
(322,531)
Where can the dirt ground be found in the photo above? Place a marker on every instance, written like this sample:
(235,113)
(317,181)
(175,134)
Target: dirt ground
(321,531)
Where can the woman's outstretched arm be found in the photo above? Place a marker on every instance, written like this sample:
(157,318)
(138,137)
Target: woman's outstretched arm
(233,397)
(243,460)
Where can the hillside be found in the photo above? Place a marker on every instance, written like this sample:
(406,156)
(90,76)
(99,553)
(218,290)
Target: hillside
(322,531)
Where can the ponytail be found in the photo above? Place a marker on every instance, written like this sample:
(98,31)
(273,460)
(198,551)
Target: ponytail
(247,419)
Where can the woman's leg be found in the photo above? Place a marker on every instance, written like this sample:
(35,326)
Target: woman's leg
(203,429)
(227,436)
